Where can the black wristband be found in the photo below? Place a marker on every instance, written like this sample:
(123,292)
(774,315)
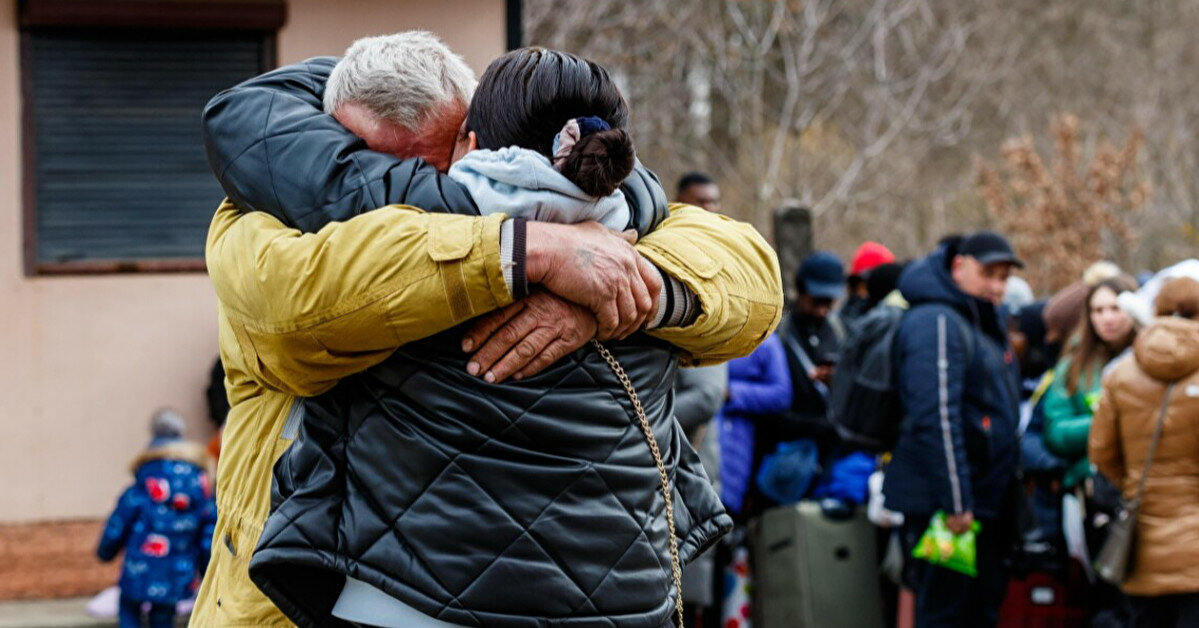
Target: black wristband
(520,281)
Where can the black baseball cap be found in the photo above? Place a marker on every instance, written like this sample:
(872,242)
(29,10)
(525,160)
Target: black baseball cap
(821,275)
(989,247)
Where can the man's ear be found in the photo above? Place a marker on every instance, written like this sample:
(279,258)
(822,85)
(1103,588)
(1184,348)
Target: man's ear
(956,267)
(472,141)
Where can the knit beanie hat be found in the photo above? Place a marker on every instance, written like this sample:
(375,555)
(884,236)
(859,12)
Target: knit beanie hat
(869,256)
(1100,271)
(166,426)
(881,281)
(1018,294)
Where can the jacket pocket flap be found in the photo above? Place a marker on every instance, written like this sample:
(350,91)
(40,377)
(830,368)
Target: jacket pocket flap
(450,240)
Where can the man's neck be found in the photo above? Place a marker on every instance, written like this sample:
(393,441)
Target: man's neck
(807,321)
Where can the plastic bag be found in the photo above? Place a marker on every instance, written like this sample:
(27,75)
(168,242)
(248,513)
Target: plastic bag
(945,549)
(848,479)
(786,474)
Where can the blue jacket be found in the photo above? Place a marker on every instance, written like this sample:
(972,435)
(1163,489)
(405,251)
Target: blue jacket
(958,446)
(759,385)
(164,522)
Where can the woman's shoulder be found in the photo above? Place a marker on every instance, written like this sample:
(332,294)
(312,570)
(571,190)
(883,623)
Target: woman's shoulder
(1125,374)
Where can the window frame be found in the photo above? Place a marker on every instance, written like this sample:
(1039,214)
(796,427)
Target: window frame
(265,17)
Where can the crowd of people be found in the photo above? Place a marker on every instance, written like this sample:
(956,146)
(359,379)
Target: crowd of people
(1032,417)
(462,414)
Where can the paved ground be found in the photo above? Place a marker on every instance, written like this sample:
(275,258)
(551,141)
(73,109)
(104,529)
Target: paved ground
(67,613)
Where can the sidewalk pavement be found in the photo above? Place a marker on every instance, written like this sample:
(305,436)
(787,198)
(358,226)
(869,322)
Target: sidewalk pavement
(66,613)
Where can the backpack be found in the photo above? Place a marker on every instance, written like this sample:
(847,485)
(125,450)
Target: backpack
(864,403)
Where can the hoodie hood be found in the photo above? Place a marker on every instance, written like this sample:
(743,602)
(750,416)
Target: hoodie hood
(1168,350)
(524,184)
(927,281)
(178,450)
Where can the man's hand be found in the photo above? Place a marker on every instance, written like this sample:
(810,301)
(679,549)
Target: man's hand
(822,373)
(527,336)
(959,523)
(597,268)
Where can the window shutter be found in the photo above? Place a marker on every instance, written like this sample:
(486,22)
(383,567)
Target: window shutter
(120,171)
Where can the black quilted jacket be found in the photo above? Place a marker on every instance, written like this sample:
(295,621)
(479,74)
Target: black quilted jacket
(534,503)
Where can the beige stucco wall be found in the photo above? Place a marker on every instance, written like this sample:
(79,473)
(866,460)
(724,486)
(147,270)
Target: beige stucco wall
(84,360)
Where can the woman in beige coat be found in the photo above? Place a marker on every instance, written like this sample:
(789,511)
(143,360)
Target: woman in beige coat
(1164,579)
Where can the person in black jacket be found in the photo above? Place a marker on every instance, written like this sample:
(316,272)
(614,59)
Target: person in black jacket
(958,448)
(812,335)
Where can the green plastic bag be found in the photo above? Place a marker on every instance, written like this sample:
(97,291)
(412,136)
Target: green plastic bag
(943,548)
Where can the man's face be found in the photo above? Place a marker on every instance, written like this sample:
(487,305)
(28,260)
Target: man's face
(434,140)
(705,195)
(984,281)
(815,307)
(857,287)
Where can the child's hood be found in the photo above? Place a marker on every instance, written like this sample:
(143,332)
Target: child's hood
(175,451)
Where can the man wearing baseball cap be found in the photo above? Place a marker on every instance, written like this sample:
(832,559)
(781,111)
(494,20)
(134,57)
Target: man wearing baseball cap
(958,448)
(812,335)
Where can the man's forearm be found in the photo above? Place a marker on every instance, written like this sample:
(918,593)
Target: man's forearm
(313,308)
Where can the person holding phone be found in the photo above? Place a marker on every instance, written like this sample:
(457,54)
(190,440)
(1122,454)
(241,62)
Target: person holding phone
(812,335)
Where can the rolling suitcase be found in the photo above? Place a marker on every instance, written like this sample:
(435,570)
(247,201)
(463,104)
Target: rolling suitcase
(1041,600)
(812,570)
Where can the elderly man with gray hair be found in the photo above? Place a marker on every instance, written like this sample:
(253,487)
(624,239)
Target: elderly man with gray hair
(323,267)
(435,83)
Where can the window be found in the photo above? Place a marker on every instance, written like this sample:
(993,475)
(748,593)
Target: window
(115,173)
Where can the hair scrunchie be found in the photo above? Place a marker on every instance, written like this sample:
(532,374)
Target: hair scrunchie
(574,130)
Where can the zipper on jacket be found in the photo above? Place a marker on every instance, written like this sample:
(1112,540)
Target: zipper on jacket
(946,434)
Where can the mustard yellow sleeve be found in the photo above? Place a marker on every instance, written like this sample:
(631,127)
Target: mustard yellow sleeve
(731,269)
(310,309)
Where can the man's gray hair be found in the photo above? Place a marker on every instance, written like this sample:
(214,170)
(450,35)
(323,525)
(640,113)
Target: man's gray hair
(405,78)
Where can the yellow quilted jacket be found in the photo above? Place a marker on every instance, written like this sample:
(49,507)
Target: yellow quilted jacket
(298,312)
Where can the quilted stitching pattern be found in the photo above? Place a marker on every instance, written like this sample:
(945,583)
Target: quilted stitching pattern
(530,504)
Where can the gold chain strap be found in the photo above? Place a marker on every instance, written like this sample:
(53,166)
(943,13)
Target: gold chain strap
(676,569)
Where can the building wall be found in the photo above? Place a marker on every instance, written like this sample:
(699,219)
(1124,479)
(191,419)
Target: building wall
(86,359)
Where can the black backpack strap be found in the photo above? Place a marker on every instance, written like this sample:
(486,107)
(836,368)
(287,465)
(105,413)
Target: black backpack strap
(787,334)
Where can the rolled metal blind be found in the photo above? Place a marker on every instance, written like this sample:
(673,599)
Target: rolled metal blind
(120,172)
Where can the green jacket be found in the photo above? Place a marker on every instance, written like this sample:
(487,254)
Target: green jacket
(1068,420)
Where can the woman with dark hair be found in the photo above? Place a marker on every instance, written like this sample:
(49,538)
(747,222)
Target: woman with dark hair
(544,140)
(1103,334)
(455,500)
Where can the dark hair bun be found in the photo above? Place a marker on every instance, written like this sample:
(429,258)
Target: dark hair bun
(600,162)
